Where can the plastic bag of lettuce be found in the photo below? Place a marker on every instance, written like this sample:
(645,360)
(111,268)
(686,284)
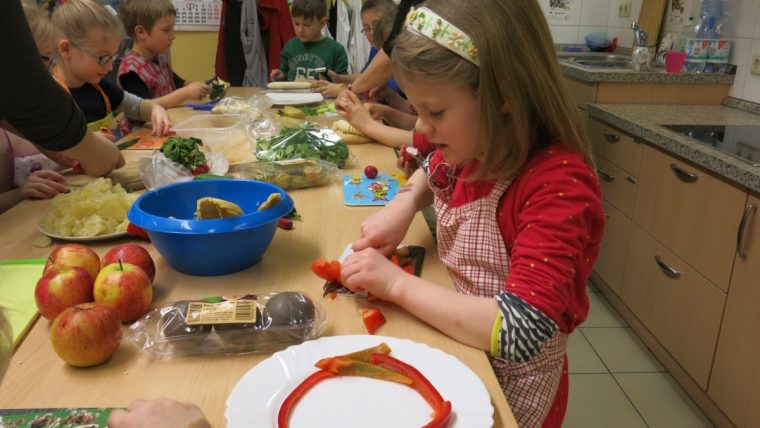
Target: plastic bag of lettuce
(307,141)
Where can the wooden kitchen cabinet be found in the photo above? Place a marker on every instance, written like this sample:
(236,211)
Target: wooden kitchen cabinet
(615,146)
(611,261)
(735,381)
(691,211)
(618,187)
(680,307)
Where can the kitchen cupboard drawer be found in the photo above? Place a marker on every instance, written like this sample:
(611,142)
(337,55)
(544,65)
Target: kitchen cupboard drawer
(736,374)
(615,146)
(611,261)
(618,187)
(679,306)
(691,211)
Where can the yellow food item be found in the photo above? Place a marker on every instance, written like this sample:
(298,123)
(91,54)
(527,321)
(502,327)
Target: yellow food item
(271,201)
(342,125)
(293,112)
(210,208)
(99,208)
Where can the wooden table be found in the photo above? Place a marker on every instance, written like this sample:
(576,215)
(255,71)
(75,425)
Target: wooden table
(37,378)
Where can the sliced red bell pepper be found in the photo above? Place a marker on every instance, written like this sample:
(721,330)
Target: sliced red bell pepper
(200,169)
(441,408)
(409,269)
(372,318)
(362,355)
(329,270)
(396,260)
(296,394)
(285,223)
(76,168)
(345,366)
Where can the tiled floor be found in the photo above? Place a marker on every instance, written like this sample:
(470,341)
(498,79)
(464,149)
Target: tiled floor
(616,382)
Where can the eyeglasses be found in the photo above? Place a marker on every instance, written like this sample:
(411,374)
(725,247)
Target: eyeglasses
(102,59)
(366,30)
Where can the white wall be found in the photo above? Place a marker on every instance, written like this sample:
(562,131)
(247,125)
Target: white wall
(582,17)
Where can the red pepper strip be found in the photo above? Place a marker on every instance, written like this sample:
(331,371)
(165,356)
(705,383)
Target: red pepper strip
(285,223)
(421,384)
(362,355)
(372,318)
(396,260)
(296,394)
(345,366)
(76,168)
(408,269)
(442,416)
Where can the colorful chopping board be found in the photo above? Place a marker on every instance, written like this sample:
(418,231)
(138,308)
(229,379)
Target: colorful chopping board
(359,190)
(18,278)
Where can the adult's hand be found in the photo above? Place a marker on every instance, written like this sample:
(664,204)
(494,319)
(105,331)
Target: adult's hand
(96,155)
(158,413)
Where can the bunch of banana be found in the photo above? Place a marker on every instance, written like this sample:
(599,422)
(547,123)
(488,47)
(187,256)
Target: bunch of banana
(349,134)
(209,208)
(294,112)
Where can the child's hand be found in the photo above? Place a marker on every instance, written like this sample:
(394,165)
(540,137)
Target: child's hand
(160,120)
(161,412)
(385,229)
(377,110)
(351,108)
(371,271)
(405,165)
(43,184)
(338,78)
(276,75)
(330,90)
(196,90)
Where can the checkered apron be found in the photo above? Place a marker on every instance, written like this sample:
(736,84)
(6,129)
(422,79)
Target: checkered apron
(478,261)
(157,77)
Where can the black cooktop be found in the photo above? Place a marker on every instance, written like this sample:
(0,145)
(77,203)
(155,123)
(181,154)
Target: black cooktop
(739,141)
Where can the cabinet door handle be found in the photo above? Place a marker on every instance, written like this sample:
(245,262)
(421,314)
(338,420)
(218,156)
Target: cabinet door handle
(682,174)
(669,271)
(610,137)
(604,176)
(741,237)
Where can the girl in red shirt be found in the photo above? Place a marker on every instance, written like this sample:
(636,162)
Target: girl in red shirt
(518,206)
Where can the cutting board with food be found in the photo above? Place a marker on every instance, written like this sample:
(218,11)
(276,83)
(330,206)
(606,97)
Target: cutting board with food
(127,176)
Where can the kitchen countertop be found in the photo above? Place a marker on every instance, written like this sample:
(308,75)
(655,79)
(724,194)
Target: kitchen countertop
(645,120)
(657,75)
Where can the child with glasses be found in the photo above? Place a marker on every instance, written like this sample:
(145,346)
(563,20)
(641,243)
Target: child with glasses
(517,201)
(145,70)
(84,56)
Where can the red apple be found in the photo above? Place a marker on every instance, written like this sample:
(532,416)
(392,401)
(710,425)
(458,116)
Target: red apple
(131,253)
(58,290)
(70,255)
(126,288)
(86,335)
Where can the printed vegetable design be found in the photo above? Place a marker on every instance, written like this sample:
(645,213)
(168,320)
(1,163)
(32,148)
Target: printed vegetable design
(375,363)
(186,152)
(305,141)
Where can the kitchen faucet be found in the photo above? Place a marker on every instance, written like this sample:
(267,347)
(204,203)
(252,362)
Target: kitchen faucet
(641,56)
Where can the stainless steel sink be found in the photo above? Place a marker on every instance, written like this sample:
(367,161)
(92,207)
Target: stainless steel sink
(596,59)
(603,63)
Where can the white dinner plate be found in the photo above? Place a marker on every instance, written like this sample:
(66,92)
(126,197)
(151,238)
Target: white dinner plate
(82,238)
(347,401)
(294,98)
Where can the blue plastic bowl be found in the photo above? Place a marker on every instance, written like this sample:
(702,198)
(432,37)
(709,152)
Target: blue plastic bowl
(210,247)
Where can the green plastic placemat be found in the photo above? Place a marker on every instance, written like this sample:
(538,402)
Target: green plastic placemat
(18,278)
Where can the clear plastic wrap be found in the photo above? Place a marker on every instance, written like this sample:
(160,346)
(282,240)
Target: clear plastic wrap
(292,174)
(157,170)
(282,319)
(255,108)
(307,141)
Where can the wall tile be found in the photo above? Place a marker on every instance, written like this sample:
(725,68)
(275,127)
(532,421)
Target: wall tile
(751,90)
(757,24)
(595,13)
(562,33)
(557,16)
(740,54)
(742,18)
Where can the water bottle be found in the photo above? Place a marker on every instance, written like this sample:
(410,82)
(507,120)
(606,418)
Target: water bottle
(719,49)
(696,48)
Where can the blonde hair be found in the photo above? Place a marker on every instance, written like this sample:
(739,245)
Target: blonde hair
(77,18)
(145,13)
(522,99)
(43,31)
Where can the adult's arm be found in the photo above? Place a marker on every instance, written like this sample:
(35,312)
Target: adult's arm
(37,106)
(376,74)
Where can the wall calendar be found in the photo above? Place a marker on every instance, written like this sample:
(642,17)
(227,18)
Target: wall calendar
(198,13)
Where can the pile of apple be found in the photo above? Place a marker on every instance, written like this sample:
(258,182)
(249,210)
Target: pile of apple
(88,298)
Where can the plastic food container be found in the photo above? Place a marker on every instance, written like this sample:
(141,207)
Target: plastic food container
(214,129)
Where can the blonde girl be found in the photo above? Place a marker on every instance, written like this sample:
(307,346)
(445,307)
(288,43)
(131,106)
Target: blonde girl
(85,55)
(519,215)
